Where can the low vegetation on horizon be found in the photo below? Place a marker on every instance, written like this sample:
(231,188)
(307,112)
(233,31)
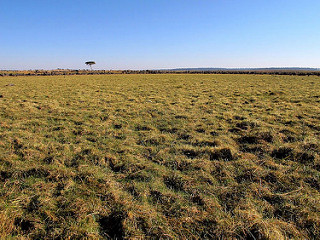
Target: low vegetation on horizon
(160,156)
(262,71)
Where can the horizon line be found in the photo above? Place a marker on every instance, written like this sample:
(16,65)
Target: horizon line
(170,69)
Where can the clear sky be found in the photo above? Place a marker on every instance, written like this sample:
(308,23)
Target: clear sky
(154,34)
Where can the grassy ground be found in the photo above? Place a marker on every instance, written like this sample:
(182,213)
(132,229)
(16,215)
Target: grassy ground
(160,156)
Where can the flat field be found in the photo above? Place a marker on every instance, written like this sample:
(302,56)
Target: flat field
(160,156)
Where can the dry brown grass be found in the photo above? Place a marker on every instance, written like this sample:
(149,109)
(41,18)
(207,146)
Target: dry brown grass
(160,156)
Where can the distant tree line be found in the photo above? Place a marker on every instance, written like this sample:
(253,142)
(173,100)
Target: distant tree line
(91,72)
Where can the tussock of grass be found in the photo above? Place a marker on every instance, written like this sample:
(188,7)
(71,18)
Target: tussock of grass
(160,156)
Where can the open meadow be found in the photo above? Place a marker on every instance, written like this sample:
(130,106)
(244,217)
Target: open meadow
(169,156)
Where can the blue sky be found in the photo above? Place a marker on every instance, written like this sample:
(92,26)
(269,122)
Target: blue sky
(153,34)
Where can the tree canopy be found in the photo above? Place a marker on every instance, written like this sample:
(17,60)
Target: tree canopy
(90,63)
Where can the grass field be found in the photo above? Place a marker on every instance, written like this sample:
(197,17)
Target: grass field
(160,156)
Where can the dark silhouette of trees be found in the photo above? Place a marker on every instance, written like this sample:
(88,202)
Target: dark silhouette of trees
(85,72)
(90,63)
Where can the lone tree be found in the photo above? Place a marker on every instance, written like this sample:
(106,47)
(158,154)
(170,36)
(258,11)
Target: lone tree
(90,63)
